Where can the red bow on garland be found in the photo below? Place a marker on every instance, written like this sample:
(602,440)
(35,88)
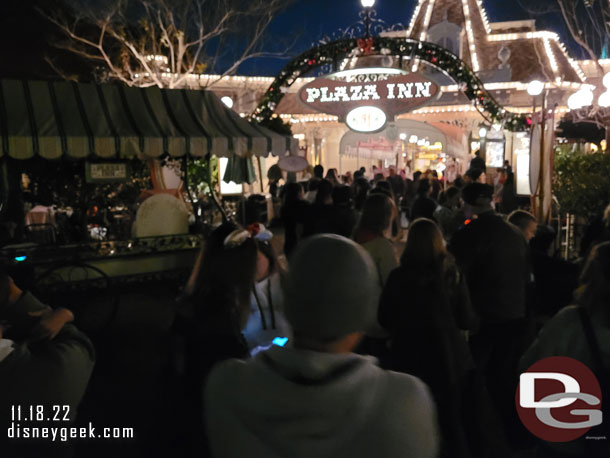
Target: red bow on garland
(365,45)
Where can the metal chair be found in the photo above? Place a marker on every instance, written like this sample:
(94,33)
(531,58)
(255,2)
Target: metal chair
(42,234)
(75,286)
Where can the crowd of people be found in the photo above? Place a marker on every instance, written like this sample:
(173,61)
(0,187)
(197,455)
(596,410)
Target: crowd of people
(349,348)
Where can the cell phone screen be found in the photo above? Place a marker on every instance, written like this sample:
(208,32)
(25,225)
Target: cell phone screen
(280,341)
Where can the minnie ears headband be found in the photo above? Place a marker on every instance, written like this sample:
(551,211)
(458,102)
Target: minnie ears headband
(239,236)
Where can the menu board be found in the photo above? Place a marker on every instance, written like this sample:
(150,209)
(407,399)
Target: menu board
(494,154)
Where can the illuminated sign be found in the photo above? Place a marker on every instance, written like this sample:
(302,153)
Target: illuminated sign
(366,119)
(390,90)
(358,92)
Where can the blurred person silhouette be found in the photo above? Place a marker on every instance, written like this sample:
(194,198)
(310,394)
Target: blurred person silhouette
(293,213)
(493,255)
(44,361)
(425,306)
(317,398)
(582,332)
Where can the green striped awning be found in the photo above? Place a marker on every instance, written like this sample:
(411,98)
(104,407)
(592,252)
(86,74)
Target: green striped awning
(52,119)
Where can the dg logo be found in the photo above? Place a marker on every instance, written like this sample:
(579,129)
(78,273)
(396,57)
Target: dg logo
(559,399)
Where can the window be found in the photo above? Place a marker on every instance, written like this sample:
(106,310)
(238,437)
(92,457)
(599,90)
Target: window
(447,35)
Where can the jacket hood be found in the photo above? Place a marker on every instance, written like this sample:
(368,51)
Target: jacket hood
(321,387)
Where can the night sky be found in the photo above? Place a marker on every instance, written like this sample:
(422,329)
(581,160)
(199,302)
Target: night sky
(25,37)
(309,20)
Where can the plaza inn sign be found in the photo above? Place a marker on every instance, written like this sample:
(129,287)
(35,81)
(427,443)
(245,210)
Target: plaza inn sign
(366,99)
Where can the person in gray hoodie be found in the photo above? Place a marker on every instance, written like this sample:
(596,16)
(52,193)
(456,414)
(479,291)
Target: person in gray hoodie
(45,365)
(315,398)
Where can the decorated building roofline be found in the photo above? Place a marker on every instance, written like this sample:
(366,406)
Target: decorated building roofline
(406,50)
(471,16)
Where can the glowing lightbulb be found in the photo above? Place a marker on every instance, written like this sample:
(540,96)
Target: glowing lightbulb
(367,3)
(574,102)
(228,101)
(604,99)
(535,88)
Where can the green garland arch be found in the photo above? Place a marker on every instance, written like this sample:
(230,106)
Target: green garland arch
(331,53)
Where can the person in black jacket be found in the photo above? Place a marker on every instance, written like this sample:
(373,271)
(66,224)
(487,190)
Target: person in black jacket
(424,206)
(556,278)
(345,218)
(478,163)
(493,255)
(294,212)
(424,306)
(320,217)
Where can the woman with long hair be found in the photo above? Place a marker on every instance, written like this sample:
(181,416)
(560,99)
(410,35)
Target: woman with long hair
(361,191)
(423,306)
(333,176)
(375,222)
(267,320)
(208,326)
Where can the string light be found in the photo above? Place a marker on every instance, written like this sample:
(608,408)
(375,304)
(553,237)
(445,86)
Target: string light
(520,86)
(414,17)
(466,109)
(550,56)
(470,34)
(427,18)
(543,35)
(484,16)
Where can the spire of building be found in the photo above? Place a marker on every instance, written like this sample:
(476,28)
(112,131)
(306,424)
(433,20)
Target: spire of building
(462,27)
(468,15)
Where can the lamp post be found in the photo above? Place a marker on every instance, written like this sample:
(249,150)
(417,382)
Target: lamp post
(483,131)
(536,88)
(585,98)
(367,5)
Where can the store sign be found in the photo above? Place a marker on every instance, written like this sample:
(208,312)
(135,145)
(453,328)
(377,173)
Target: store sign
(106,172)
(392,91)
(366,119)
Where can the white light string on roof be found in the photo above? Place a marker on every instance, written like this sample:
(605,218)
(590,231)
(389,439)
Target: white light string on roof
(471,44)
(484,16)
(414,17)
(427,18)
(468,108)
(551,57)
(541,34)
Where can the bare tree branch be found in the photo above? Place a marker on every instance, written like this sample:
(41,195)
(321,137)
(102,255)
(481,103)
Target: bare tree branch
(162,42)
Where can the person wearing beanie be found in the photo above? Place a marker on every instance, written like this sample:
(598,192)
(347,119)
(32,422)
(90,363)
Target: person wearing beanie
(493,255)
(314,397)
